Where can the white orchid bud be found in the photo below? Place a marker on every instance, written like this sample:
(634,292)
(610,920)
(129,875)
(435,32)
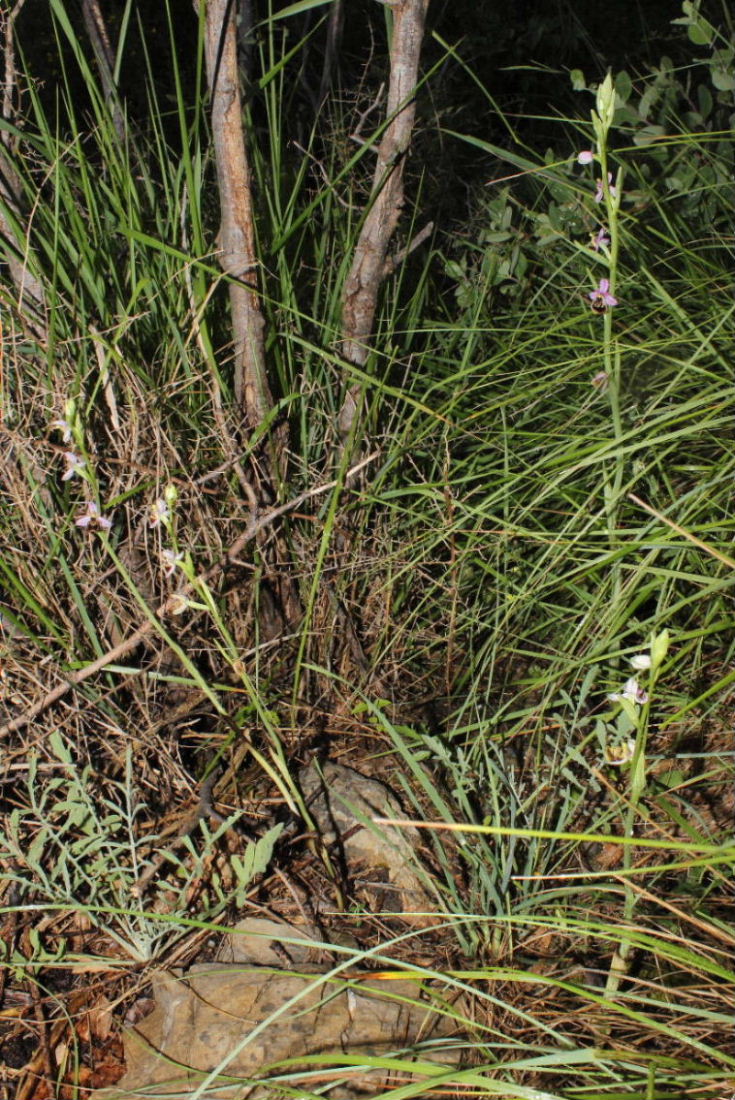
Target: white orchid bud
(606,102)
(659,649)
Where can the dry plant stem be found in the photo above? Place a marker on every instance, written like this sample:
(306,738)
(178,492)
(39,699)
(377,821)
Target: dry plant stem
(36,1070)
(702,926)
(392,262)
(246,38)
(203,809)
(94,23)
(369,262)
(31,297)
(706,546)
(335,28)
(42,1065)
(236,236)
(126,647)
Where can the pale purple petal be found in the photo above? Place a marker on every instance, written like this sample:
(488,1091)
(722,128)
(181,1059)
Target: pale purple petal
(62,426)
(74,465)
(600,192)
(159,513)
(601,240)
(635,692)
(92,516)
(602,299)
(171,561)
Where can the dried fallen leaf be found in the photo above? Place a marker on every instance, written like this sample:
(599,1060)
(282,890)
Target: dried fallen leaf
(100,1018)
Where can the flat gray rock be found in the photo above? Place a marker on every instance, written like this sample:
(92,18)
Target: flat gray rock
(243,1019)
(343,804)
(265,942)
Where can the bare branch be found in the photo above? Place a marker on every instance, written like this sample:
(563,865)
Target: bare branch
(335,28)
(236,237)
(369,262)
(392,262)
(94,22)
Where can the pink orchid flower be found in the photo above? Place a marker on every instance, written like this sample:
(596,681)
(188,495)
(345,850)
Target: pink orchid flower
(601,299)
(601,239)
(74,466)
(91,517)
(600,192)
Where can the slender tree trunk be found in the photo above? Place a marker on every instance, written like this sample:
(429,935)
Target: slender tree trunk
(237,258)
(369,264)
(31,296)
(236,237)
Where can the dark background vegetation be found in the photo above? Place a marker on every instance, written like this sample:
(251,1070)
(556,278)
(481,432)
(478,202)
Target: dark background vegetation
(519,54)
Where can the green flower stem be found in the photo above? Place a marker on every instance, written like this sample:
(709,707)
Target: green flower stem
(658,650)
(619,963)
(611,357)
(612,495)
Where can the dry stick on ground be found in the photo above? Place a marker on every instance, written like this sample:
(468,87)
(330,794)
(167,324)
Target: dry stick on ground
(369,262)
(236,236)
(251,531)
(31,297)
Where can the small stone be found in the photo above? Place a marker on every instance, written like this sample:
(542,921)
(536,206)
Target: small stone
(252,941)
(343,804)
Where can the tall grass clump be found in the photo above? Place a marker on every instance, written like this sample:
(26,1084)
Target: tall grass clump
(518,607)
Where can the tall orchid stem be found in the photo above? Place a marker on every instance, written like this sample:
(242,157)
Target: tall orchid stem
(612,365)
(613,494)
